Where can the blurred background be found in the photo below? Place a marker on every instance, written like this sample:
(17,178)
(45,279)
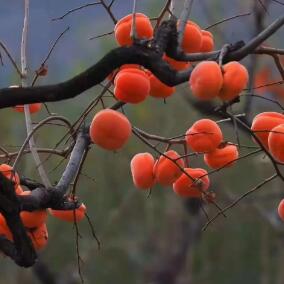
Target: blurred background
(156,239)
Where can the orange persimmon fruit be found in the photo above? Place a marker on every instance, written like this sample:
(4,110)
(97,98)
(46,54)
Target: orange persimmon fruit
(39,236)
(159,89)
(131,85)
(221,157)
(9,173)
(207,42)
(276,142)
(263,123)
(35,218)
(206,80)
(110,129)
(141,166)
(177,65)
(235,79)
(281,209)
(204,135)
(165,170)
(186,186)
(192,38)
(122,29)
(4,229)
(36,107)
(77,214)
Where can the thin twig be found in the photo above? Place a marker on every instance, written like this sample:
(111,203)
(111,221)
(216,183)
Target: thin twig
(49,53)
(76,9)
(11,59)
(234,203)
(227,19)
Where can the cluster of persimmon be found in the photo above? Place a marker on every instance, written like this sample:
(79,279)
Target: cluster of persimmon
(268,127)
(204,136)
(35,221)
(133,83)
(209,80)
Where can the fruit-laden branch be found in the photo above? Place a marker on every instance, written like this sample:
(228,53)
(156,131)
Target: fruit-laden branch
(146,53)
(20,247)
(41,198)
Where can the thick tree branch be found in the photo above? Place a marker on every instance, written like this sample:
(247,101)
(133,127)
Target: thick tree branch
(147,54)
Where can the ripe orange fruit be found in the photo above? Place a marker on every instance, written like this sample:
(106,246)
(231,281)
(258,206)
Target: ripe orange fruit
(18,190)
(33,107)
(206,80)
(36,107)
(9,173)
(35,218)
(204,136)
(141,166)
(207,43)
(281,209)
(166,171)
(159,89)
(263,123)
(39,236)
(177,65)
(131,85)
(192,38)
(221,157)
(110,129)
(235,79)
(276,142)
(69,215)
(122,29)
(186,187)
(4,229)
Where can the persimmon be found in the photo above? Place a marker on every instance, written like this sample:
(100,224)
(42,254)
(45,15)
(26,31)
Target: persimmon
(122,29)
(141,166)
(221,157)
(207,42)
(4,229)
(188,186)
(235,79)
(206,80)
(165,170)
(131,85)
(35,218)
(159,89)
(18,190)
(262,78)
(177,65)
(281,209)
(110,129)
(276,142)
(192,38)
(39,236)
(263,123)
(112,75)
(70,215)
(204,135)
(9,173)
(36,107)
